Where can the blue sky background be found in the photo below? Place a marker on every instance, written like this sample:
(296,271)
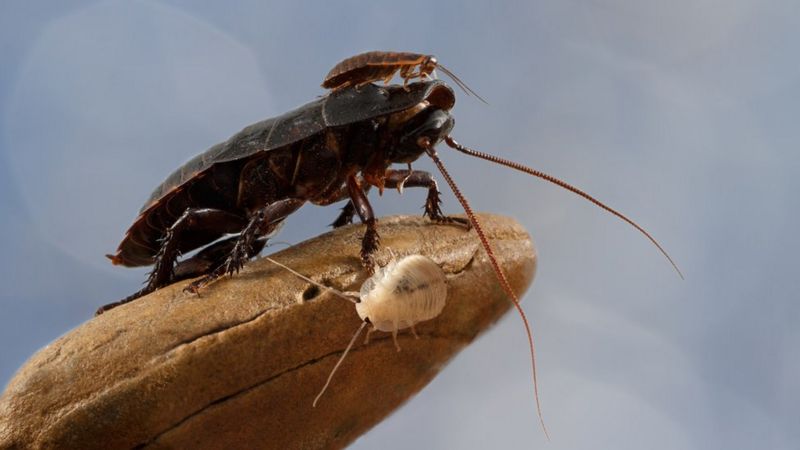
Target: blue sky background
(683,115)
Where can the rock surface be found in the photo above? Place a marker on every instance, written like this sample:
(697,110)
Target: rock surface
(239,366)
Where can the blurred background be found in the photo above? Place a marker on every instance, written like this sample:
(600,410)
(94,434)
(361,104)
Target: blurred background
(683,115)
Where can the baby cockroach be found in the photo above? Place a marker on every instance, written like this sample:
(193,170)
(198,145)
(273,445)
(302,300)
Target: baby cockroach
(401,294)
(372,66)
(398,296)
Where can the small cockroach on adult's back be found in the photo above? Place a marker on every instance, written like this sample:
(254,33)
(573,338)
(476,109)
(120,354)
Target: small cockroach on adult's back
(367,67)
(399,295)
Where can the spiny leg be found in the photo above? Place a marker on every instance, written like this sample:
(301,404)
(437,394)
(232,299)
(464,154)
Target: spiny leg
(260,224)
(371,241)
(418,178)
(193,219)
(212,257)
(348,212)
(346,216)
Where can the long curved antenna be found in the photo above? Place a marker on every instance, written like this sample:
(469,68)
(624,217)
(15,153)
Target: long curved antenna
(352,341)
(495,159)
(338,363)
(460,83)
(498,271)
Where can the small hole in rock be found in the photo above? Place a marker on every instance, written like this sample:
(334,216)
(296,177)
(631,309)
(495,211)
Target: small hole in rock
(311,292)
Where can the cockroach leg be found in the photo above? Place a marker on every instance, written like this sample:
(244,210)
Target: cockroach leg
(402,182)
(420,178)
(501,276)
(394,338)
(259,225)
(342,86)
(371,241)
(408,73)
(388,78)
(206,219)
(370,330)
(211,257)
(346,216)
(522,168)
(369,245)
(192,220)
(348,210)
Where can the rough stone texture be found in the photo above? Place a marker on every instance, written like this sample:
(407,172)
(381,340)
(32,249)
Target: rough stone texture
(239,366)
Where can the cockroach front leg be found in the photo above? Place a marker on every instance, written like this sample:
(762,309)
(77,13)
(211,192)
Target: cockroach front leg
(419,178)
(408,73)
(371,241)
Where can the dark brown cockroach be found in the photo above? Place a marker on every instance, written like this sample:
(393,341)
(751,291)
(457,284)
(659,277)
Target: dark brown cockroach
(367,67)
(328,150)
(331,149)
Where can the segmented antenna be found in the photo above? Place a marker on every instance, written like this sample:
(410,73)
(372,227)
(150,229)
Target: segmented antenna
(460,83)
(498,271)
(338,363)
(514,165)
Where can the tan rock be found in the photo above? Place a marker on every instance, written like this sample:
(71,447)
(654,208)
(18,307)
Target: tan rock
(239,366)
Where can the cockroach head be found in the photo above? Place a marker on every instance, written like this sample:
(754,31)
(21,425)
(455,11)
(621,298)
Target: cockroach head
(428,65)
(420,132)
(422,126)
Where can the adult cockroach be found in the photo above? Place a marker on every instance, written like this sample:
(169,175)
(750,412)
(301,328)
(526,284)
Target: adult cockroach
(328,150)
(367,67)
(397,296)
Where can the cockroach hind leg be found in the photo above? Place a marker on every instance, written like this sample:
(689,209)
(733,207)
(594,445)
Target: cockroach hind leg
(369,246)
(340,87)
(414,332)
(358,86)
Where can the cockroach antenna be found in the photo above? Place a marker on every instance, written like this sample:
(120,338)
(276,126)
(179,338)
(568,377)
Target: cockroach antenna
(460,83)
(497,270)
(426,143)
(517,166)
(431,151)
